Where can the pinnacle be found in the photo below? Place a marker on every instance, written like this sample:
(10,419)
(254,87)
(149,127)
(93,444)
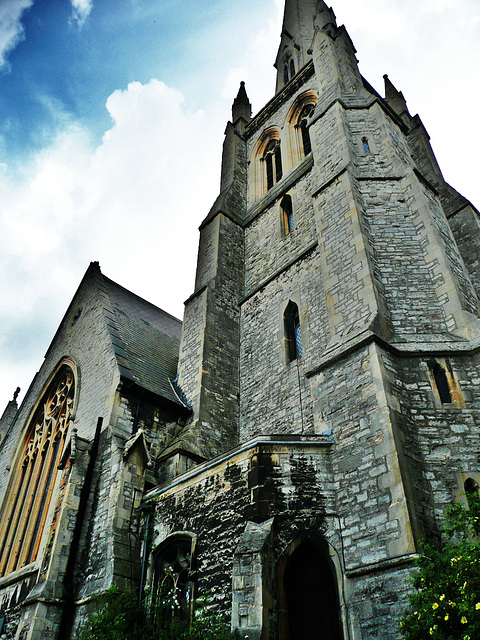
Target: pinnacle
(242,97)
(241,107)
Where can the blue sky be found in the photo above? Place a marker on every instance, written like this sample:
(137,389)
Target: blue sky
(112,115)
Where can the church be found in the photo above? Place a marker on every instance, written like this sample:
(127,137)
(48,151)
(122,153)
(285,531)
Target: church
(286,447)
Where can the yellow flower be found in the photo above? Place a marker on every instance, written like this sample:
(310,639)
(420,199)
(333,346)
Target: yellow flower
(431,631)
(464,620)
(446,617)
(477,606)
(415,613)
(452,604)
(435,605)
(442,597)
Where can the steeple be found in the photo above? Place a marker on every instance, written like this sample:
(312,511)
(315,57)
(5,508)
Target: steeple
(300,21)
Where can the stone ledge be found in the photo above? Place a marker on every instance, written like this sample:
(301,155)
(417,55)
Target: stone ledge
(321,441)
(381,565)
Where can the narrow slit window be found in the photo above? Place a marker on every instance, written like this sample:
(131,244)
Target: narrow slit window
(292,68)
(278,163)
(366,145)
(287,214)
(293,333)
(441,382)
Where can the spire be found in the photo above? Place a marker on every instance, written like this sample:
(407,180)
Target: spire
(241,105)
(300,21)
(395,100)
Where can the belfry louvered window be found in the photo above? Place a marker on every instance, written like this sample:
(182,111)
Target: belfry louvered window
(24,512)
(288,69)
(303,123)
(273,163)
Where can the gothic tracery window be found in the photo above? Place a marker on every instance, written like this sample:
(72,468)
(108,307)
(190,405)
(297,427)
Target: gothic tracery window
(172,576)
(23,515)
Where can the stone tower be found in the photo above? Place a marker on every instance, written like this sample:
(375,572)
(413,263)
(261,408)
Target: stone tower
(325,409)
(332,341)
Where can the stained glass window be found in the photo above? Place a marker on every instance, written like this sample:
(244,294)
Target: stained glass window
(23,515)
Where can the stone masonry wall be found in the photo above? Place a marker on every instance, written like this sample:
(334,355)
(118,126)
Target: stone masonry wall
(274,394)
(442,440)
(465,225)
(293,485)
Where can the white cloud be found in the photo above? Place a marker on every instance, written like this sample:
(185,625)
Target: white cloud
(11,28)
(81,10)
(134,203)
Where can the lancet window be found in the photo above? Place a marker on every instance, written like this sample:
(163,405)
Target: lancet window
(288,69)
(441,382)
(273,163)
(23,515)
(293,333)
(288,221)
(299,119)
(303,124)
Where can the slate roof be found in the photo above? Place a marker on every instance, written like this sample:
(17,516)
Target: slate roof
(145,338)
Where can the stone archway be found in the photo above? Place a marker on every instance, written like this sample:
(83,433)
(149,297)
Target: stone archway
(310,609)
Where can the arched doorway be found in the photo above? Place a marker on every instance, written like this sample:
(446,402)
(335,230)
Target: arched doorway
(310,594)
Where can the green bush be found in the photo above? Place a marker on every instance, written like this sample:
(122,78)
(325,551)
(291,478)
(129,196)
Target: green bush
(445,603)
(120,617)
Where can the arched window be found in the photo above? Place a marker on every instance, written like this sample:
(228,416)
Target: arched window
(293,334)
(172,587)
(273,163)
(288,69)
(297,135)
(311,596)
(265,166)
(303,124)
(471,487)
(287,215)
(23,515)
(441,381)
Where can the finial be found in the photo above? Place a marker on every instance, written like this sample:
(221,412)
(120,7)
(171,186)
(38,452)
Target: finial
(15,395)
